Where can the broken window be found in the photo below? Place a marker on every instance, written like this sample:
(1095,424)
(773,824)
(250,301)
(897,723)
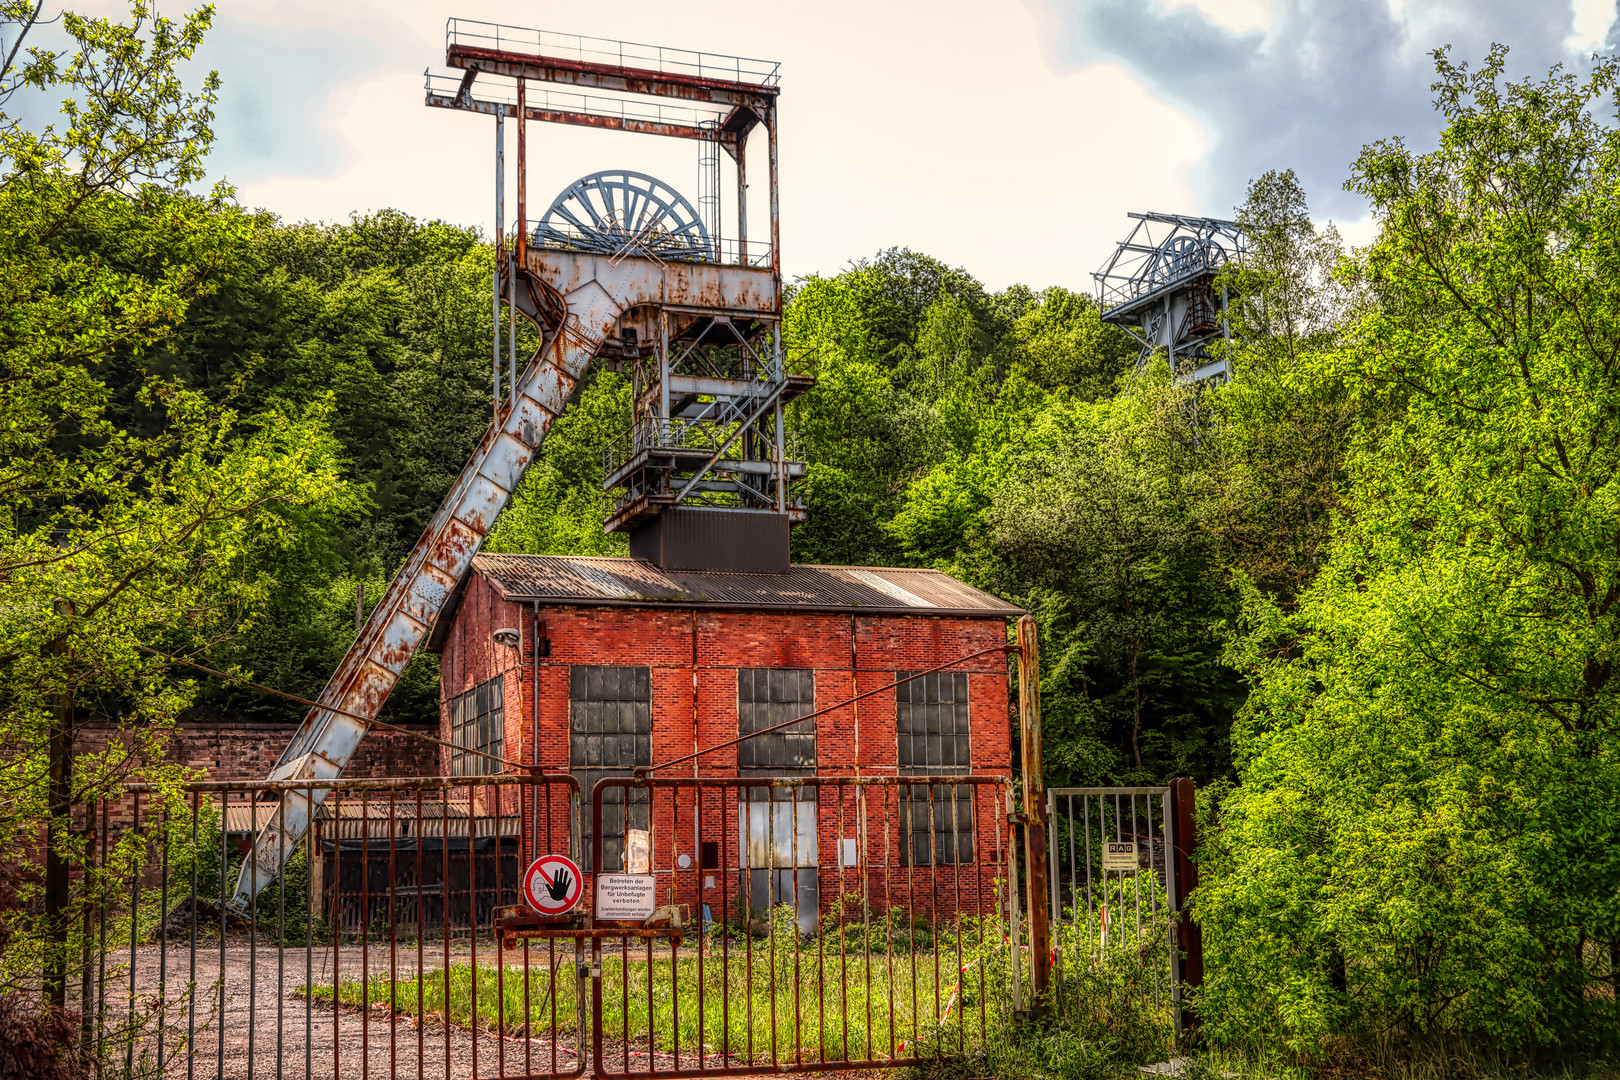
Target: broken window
(477,723)
(931,724)
(610,734)
(776,826)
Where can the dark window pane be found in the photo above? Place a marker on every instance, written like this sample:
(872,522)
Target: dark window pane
(477,723)
(767,697)
(610,733)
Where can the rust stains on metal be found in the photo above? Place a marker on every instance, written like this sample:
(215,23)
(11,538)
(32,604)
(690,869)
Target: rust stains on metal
(623,79)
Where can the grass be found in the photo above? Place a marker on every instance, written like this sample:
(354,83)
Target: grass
(777,997)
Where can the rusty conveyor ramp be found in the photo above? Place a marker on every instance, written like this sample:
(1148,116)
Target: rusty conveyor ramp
(593,291)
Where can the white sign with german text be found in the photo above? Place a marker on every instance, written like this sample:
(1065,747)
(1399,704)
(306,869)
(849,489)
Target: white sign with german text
(625,896)
(1120,855)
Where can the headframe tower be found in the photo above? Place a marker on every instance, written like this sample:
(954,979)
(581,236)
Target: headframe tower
(1159,285)
(704,469)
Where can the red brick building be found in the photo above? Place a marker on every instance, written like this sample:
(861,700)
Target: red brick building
(597,666)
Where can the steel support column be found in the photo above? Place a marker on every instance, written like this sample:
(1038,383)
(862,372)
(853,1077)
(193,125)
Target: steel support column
(1029,730)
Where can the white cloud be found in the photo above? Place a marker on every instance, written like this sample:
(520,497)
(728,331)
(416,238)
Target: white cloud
(1239,15)
(1592,21)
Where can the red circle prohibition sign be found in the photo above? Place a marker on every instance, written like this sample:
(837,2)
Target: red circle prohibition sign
(553,884)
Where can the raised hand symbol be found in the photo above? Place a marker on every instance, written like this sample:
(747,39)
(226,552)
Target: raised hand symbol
(559,886)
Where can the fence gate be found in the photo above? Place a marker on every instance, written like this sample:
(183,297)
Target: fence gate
(800,924)
(1114,894)
(825,922)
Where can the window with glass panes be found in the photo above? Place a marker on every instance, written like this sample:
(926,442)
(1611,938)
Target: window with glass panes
(767,697)
(779,822)
(931,722)
(477,723)
(609,734)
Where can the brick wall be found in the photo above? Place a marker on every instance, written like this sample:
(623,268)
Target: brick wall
(695,655)
(248,751)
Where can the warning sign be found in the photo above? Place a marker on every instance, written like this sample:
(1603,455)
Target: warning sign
(625,896)
(1120,855)
(553,884)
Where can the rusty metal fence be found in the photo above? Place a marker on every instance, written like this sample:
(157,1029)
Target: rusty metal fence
(800,924)
(825,922)
(1112,876)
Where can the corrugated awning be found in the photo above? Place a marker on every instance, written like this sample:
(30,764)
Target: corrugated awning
(560,579)
(353,821)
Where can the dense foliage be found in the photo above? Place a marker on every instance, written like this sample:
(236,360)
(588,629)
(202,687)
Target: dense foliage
(119,535)
(1423,843)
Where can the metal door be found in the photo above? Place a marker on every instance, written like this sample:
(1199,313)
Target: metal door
(1113,890)
(368,957)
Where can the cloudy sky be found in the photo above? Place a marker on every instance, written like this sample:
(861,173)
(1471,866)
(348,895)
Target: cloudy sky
(1009,137)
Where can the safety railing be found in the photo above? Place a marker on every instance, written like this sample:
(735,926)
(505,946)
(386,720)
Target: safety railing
(609,53)
(655,433)
(1161,270)
(665,247)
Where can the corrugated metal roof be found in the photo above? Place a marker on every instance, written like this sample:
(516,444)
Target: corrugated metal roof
(563,579)
(355,821)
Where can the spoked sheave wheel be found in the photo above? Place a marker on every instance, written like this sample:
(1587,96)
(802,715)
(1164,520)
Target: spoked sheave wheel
(620,212)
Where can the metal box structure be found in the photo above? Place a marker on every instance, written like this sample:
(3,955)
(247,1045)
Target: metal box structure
(618,263)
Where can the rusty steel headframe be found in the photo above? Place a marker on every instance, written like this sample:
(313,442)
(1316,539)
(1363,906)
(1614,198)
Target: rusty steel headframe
(578,300)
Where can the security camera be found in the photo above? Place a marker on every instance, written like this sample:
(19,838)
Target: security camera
(506,636)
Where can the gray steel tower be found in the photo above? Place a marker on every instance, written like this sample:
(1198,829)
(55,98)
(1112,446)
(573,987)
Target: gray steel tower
(1159,285)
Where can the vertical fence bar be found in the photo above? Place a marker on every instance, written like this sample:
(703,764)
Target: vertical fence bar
(335,801)
(253,935)
(444,910)
(224,857)
(472,914)
(890,823)
(191,978)
(163,935)
(312,851)
(909,854)
(745,842)
(393,939)
(956,932)
(365,933)
(134,931)
(421,933)
(1014,945)
(843,917)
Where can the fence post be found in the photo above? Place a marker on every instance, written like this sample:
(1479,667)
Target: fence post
(1029,724)
(1189,954)
(59,825)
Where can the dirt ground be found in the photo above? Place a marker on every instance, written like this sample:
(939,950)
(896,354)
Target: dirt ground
(271,1029)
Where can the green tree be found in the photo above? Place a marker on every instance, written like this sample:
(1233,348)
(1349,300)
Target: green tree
(1272,442)
(1427,832)
(1095,526)
(119,538)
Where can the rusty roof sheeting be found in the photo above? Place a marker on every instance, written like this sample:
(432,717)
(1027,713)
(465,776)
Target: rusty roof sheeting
(371,819)
(569,579)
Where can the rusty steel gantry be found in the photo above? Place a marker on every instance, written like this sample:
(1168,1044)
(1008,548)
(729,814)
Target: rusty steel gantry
(1160,286)
(620,268)
(706,456)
